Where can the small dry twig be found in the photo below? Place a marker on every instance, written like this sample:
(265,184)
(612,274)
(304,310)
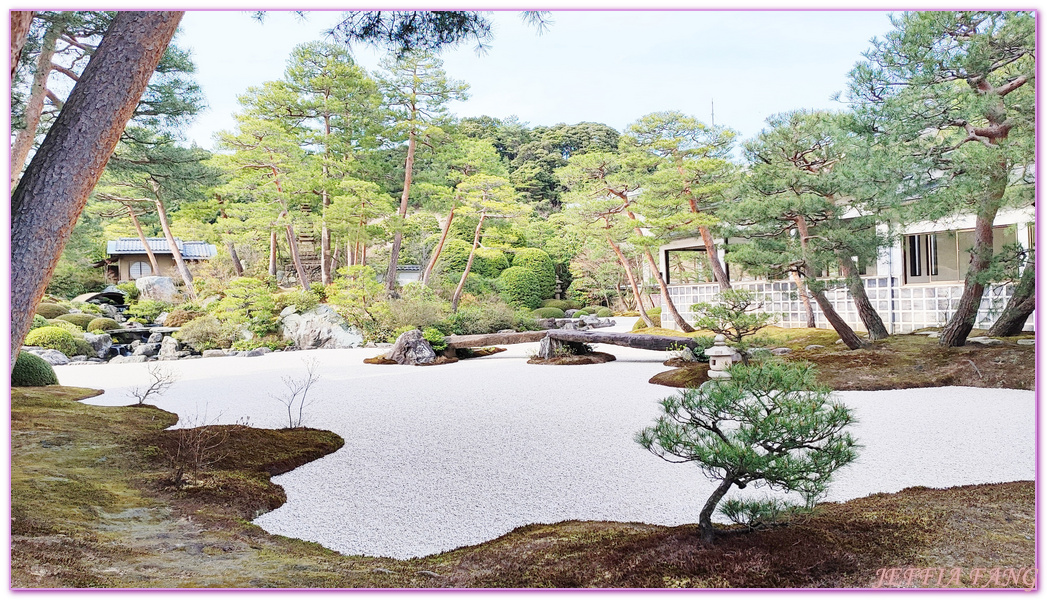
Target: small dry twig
(295,399)
(162,380)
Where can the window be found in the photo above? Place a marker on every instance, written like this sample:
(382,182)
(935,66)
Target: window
(943,256)
(140,269)
(687,266)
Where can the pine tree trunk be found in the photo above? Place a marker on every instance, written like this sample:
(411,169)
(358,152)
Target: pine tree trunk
(705,518)
(326,266)
(398,237)
(866,312)
(960,325)
(1020,306)
(439,248)
(669,306)
(272,251)
(292,243)
(801,290)
(54,188)
(183,269)
(145,242)
(238,267)
(719,274)
(468,265)
(21,22)
(849,337)
(35,105)
(632,281)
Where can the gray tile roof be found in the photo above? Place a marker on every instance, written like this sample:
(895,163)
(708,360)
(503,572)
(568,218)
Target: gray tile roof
(190,250)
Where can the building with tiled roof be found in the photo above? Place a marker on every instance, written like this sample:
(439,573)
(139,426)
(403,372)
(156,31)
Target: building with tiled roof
(127,259)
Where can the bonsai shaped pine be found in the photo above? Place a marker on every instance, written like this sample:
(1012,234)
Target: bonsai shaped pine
(770,424)
(735,316)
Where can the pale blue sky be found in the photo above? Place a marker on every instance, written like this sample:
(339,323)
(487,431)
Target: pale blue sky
(605,66)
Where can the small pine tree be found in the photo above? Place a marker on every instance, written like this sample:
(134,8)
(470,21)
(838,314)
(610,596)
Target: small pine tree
(734,316)
(770,424)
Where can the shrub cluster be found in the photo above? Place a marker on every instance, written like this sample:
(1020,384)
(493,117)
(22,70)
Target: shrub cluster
(38,322)
(656,316)
(66,325)
(541,265)
(147,311)
(79,319)
(301,300)
(179,317)
(562,304)
(102,324)
(520,286)
(548,312)
(206,333)
(54,338)
(48,310)
(30,371)
(489,262)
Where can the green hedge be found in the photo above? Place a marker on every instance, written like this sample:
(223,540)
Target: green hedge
(489,262)
(548,312)
(520,287)
(102,324)
(54,338)
(562,304)
(79,319)
(48,310)
(454,255)
(539,262)
(31,371)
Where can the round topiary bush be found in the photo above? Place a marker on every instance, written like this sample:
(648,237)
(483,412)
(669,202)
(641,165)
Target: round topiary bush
(66,325)
(489,262)
(580,314)
(603,313)
(79,319)
(548,312)
(38,322)
(656,316)
(539,262)
(592,310)
(102,324)
(84,347)
(454,255)
(179,317)
(48,310)
(520,287)
(562,304)
(54,338)
(31,371)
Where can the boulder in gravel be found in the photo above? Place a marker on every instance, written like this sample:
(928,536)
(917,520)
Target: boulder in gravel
(813,347)
(1026,342)
(320,327)
(53,357)
(411,349)
(146,350)
(214,353)
(253,353)
(170,349)
(155,338)
(156,288)
(987,341)
(161,318)
(101,342)
(128,359)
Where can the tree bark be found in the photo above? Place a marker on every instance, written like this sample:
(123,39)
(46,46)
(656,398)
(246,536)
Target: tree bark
(719,274)
(468,265)
(326,267)
(237,265)
(21,21)
(54,188)
(1020,306)
(272,252)
(866,312)
(292,243)
(183,269)
(398,237)
(439,248)
(801,290)
(35,105)
(632,282)
(705,518)
(145,241)
(849,337)
(960,325)
(669,306)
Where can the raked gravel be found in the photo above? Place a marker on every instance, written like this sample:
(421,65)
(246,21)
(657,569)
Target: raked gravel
(440,457)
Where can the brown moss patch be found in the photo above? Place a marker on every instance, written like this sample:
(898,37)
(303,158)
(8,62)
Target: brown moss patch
(380,360)
(690,376)
(465,353)
(592,358)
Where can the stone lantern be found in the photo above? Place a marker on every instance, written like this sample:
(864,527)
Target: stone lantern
(719,358)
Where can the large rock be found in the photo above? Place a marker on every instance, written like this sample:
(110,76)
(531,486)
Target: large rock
(171,349)
(157,288)
(411,349)
(155,338)
(214,353)
(146,350)
(128,359)
(101,342)
(53,357)
(320,327)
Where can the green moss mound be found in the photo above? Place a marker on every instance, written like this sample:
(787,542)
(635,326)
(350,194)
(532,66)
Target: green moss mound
(79,319)
(520,287)
(48,310)
(603,313)
(32,371)
(656,316)
(539,262)
(102,324)
(66,325)
(54,338)
(548,312)
(562,304)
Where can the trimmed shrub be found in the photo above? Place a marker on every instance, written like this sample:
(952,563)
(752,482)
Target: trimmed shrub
(205,333)
(179,317)
(454,256)
(539,262)
(248,302)
(562,304)
(603,313)
(147,310)
(435,338)
(102,324)
(87,307)
(130,291)
(79,319)
(302,300)
(38,322)
(66,325)
(54,338)
(580,314)
(478,317)
(548,312)
(48,310)
(520,287)
(83,347)
(592,310)
(489,262)
(31,371)
(656,316)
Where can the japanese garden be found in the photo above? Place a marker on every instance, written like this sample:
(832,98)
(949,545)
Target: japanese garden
(368,339)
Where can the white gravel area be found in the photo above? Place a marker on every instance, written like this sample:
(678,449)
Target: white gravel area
(440,457)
